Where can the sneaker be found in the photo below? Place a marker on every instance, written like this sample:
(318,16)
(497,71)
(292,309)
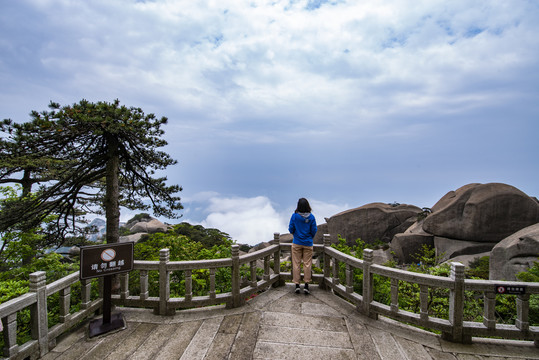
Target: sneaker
(297,288)
(306,289)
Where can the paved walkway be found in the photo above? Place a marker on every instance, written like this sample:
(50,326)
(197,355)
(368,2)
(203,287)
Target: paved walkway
(277,324)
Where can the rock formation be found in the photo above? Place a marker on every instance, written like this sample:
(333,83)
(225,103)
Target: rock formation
(469,222)
(147,225)
(482,212)
(405,245)
(372,222)
(514,254)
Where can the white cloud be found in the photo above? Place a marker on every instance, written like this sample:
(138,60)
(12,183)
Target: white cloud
(247,220)
(251,220)
(383,96)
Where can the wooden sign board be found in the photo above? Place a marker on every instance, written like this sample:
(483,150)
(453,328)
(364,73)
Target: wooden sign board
(106,259)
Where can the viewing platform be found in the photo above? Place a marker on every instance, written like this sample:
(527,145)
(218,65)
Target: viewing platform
(277,324)
(258,316)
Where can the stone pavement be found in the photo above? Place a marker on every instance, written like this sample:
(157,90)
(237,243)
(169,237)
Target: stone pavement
(277,324)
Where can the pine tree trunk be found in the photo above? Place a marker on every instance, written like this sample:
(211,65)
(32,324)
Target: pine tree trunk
(112,207)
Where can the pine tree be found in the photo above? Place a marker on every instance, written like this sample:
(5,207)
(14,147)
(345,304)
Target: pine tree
(96,158)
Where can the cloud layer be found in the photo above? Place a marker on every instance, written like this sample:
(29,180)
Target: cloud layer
(342,102)
(249,220)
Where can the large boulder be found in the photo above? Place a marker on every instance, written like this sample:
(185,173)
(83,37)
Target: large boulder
(133,237)
(482,212)
(319,237)
(514,254)
(372,222)
(409,243)
(150,226)
(449,249)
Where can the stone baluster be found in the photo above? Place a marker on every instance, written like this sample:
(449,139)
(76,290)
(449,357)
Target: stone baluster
(164,281)
(236,300)
(124,286)
(10,335)
(144,293)
(266,268)
(424,303)
(368,283)
(327,262)
(65,303)
(489,309)
(277,259)
(394,295)
(188,285)
(38,311)
(523,308)
(253,273)
(212,283)
(349,279)
(86,293)
(336,266)
(456,305)
(277,255)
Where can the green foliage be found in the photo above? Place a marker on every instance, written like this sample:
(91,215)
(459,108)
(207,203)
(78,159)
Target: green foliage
(478,268)
(10,289)
(182,248)
(531,275)
(206,236)
(426,257)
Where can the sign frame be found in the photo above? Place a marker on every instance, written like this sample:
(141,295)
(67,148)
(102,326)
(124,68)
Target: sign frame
(106,259)
(510,289)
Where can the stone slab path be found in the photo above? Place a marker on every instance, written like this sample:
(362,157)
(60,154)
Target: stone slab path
(277,324)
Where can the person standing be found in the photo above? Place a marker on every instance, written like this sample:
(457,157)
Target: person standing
(303,227)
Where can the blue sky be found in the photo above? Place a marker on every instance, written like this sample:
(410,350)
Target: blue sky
(343,102)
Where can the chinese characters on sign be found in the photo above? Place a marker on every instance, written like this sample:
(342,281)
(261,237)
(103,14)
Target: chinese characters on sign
(108,259)
(510,289)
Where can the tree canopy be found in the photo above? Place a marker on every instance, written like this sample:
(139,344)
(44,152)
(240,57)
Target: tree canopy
(87,158)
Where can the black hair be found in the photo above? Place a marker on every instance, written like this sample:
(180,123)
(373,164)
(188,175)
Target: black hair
(303,206)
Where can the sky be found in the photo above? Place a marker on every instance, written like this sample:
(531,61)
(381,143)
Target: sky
(342,102)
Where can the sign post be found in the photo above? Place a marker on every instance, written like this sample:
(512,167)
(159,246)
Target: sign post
(106,261)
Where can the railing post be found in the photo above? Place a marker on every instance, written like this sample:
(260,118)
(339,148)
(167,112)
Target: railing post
(144,293)
(86,293)
(10,335)
(212,283)
(65,303)
(124,286)
(456,305)
(327,262)
(277,260)
(164,282)
(394,295)
(523,308)
(424,303)
(349,279)
(236,300)
(368,283)
(252,266)
(38,311)
(489,310)
(188,285)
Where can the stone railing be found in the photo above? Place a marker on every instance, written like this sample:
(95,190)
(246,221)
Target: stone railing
(454,328)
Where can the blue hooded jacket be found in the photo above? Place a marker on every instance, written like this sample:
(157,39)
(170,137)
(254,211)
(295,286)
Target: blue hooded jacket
(303,227)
